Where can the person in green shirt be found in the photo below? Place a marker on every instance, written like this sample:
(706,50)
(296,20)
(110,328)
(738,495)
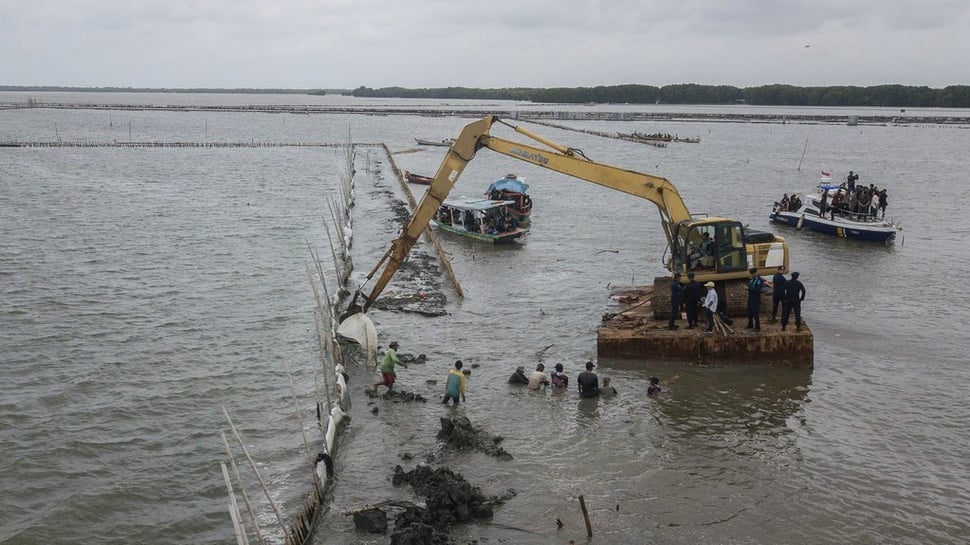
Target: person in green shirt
(387,367)
(455,384)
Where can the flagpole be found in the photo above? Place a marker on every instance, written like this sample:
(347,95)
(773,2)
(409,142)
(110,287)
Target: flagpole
(803,154)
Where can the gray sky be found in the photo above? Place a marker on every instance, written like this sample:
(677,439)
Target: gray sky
(482,43)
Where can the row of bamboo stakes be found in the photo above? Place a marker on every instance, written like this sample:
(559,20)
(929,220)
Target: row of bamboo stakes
(156,144)
(332,399)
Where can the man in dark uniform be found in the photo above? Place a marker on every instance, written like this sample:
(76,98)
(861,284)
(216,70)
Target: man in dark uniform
(693,293)
(588,382)
(754,300)
(794,295)
(778,292)
(676,293)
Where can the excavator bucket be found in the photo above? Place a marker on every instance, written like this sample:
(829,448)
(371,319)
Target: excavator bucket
(359,328)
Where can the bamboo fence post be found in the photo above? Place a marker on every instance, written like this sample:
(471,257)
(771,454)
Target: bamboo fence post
(582,505)
(269,497)
(234,513)
(242,488)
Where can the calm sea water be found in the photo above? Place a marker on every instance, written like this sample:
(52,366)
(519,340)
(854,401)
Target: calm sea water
(143,290)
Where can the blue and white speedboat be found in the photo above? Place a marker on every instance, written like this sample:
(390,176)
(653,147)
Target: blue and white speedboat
(807,215)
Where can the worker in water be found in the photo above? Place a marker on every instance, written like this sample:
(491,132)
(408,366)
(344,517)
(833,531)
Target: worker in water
(455,384)
(654,387)
(589,383)
(388,377)
(538,378)
(518,377)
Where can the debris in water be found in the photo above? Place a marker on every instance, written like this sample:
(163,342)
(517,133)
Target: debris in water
(458,432)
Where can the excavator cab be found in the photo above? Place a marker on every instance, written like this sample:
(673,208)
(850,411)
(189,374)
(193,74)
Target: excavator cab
(711,245)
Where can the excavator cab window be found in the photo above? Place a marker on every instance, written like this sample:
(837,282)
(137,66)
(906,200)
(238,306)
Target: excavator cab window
(729,240)
(700,247)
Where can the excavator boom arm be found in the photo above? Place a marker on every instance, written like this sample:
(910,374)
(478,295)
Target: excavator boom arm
(566,160)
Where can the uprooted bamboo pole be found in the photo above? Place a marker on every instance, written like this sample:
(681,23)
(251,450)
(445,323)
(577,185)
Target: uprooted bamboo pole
(234,513)
(242,489)
(582,505)
(252,463)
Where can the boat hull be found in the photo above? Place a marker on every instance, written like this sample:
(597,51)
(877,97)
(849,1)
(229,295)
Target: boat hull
(417,178)
(873,232)
(501,238)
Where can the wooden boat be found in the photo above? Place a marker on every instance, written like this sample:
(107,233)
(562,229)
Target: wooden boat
(633,138)
(479,219)
(445,142)
(512,188)
(417,178)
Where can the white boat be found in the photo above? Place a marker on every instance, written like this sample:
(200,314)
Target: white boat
(479,219)
(807,214)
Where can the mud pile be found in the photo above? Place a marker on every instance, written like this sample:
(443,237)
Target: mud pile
(449,499)
(458,432)
(420,292)
(397,396)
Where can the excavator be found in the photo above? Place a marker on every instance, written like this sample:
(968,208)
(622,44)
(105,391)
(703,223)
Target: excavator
(715,248)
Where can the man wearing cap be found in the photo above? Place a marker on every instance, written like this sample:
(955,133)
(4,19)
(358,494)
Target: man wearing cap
(589,383)
(387,367)
(710,305)
(518,377)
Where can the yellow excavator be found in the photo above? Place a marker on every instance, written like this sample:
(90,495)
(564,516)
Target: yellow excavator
(714,248)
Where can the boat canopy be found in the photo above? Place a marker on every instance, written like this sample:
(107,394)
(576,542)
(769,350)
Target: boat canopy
(509,184)
(479,205)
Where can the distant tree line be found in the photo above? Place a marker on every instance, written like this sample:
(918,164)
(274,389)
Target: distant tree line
(900,96)
(953,96)
(244,90)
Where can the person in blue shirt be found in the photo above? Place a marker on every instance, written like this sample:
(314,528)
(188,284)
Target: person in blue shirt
(676,294)
(755,286)
(794,295)
(777,293)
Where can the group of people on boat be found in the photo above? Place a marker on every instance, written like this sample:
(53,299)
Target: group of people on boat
(522,202)
(493,221)
(654,136)
(848,200)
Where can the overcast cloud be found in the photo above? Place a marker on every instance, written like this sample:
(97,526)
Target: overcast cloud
(494,43)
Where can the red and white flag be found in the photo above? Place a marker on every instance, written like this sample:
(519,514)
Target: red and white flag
(826,174)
